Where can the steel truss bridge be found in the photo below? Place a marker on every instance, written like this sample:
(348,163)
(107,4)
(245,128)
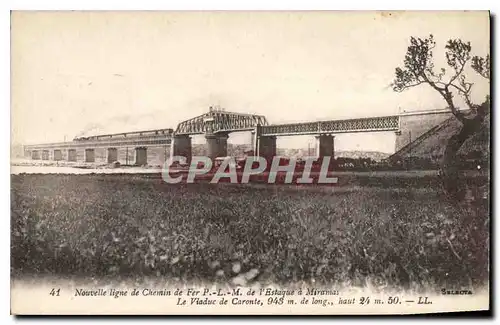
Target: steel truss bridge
(222,122)
(226,122)
(373,124)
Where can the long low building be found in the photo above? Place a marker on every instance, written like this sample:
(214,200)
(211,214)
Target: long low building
(131,148)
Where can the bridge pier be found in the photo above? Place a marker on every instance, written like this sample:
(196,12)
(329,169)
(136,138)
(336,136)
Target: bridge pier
(252,140)
(112,155)
(71,154)
(45,155)
(57,154)
(325,146)
(89,155)
(141,156)
(181,146)
(217,145)
(267,147)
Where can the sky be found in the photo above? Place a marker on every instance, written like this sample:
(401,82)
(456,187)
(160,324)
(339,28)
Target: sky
(76,73)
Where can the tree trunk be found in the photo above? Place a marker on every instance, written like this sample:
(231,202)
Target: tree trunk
(451,162)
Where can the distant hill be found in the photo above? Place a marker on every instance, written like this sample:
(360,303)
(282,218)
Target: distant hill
(232,150)
(239,151)
(374,155)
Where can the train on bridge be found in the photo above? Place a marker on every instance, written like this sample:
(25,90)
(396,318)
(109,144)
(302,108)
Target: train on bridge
(141,147)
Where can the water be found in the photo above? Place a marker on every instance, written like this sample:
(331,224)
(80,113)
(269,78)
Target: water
(15,170)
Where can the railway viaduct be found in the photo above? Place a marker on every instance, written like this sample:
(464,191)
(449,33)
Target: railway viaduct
(137,148)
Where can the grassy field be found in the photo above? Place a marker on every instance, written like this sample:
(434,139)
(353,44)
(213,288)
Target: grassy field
(100,226)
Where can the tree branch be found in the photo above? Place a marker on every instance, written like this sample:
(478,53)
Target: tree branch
(448,97)
(432,84)
(482,66)
(457,74)
(419,69)
(406,86)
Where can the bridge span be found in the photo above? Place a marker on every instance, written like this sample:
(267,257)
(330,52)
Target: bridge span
(216,125)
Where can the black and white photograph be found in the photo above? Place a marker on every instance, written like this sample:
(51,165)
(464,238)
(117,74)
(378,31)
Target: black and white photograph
(250,162)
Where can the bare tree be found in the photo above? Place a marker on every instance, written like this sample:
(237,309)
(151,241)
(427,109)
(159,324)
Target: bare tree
(419,69)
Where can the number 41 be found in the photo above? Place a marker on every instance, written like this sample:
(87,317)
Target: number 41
(54,292)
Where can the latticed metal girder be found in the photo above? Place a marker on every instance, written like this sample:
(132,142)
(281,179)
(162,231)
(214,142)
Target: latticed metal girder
(371,124)
(220,121)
